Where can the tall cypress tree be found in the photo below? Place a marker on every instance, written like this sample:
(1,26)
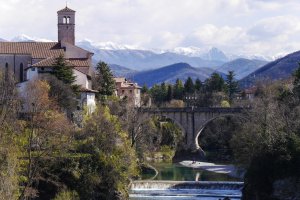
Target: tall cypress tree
(105,79)
(170,93)
(231,85)
(178,89)
(198,85)
(62,71)
(189,86)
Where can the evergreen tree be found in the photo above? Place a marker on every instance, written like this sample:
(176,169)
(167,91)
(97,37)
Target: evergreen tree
(164,92)
(104,77)
(62,71)
(170,93)
(178,89)
(144,89)
(215,83)
(198,85)
(189,86)
(296,75)
(231,85)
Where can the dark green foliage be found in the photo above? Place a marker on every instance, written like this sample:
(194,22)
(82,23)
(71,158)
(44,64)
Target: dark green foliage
(62,71)
(144,89)
(178,89)
(198,85)
(231,85)
(171,134)
(105,83)
(170,93)
(297,81)
(189,87)
(215,83)
(215,138)
(66,99)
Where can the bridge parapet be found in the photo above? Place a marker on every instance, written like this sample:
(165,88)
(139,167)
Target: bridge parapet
(195,109)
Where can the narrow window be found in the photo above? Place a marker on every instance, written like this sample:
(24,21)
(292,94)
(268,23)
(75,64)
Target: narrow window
(21,72)
(65,20)
(68,20)
(6,71)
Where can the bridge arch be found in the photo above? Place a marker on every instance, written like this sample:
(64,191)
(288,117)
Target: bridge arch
(192,120)
(204,125)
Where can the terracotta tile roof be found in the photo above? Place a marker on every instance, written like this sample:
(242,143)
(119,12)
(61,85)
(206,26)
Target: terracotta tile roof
(81,65)
(84,70)
(120,80)
(45,63)
(80,62)
(66,9)
(35,49)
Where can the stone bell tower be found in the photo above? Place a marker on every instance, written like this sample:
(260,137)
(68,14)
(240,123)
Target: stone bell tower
(66,25)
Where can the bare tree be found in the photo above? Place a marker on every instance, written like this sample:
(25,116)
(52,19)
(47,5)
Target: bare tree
(46,135)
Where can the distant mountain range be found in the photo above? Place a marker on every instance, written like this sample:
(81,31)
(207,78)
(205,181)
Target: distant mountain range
(128,60)
(242,67)
(279,69)
(141,60)
(170,73)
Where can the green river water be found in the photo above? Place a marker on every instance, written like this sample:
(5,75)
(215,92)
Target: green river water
(177,172)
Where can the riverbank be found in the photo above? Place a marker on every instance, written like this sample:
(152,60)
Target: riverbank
(230,170)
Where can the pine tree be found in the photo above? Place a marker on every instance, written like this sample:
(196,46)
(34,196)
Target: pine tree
(178,89)
(62,71)
(231,85)
(198,85)
(215,83)
(144,89)
(189,86)
(106,82)
(170,93)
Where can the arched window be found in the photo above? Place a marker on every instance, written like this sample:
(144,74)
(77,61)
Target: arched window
(65,20)
(6,71)
(68,20)
(21,72)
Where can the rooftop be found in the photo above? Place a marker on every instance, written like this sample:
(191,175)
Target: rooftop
(66,9)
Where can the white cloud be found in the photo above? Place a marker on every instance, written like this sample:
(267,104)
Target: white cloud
(264,27)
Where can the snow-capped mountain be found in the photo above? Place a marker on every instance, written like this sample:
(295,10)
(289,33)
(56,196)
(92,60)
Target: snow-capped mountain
(139,59)
(26,38)
(134,58)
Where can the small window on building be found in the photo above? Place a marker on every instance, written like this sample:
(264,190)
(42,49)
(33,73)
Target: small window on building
(123,91)
(68,20)
(21,72)
(65,20)
(33,69)
(42,68)
(130,91)
(6,66)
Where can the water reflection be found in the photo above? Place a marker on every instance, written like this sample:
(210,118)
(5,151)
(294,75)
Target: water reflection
(177,172)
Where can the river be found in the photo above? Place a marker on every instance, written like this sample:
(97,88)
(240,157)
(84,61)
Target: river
(175,181)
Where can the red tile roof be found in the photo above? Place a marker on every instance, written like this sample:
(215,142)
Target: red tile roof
(35,49)
(81,65)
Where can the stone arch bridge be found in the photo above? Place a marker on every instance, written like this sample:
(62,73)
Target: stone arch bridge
(192,120)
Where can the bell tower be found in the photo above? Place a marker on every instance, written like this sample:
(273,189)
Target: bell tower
(66,25)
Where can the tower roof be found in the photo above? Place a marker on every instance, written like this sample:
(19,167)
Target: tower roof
(66,9)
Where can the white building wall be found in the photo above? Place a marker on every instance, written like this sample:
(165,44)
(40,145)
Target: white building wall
(81,79)
(32,73)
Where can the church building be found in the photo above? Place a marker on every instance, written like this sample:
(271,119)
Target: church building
(28,60)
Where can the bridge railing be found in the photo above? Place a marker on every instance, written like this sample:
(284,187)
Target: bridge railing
(195,109)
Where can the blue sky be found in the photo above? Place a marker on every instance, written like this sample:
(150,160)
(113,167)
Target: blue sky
(263,27)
